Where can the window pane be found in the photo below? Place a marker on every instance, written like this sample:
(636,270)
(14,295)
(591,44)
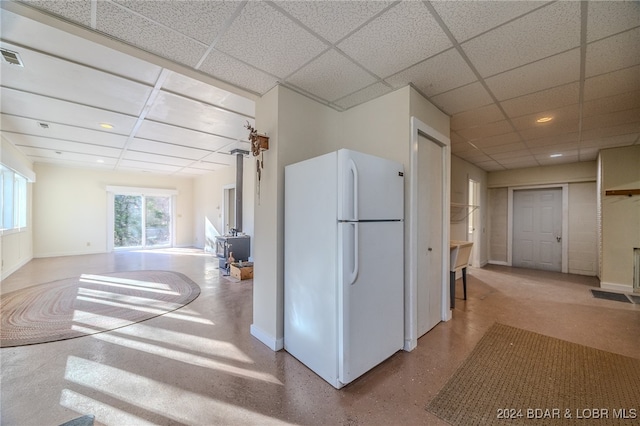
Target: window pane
(7,199)
(21,202)
(128,221)
(158,221)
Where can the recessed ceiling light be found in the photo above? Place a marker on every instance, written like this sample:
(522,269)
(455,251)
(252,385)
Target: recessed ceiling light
(100,161)
(544,119)
(555,155)
(106,125)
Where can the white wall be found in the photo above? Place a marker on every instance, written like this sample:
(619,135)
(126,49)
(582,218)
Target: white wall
(582,230)
(208,193)
(301,128)
(620,169)
(16,248)
(70,208)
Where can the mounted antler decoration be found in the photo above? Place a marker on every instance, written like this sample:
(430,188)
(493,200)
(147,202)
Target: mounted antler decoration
(259,144)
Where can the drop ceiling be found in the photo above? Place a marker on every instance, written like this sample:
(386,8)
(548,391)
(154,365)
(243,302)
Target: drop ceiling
(177,80)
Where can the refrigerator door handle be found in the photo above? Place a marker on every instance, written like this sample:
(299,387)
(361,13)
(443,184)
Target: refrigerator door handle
(354,171)
(353,275)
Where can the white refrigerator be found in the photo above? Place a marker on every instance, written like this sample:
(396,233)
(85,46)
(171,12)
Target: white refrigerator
(343,263)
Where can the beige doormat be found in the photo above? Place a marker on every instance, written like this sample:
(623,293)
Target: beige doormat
(515,376)
(90,304)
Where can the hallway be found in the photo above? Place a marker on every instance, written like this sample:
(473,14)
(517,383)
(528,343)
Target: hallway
(200,365)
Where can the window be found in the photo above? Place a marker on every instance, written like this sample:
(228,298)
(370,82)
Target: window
(13,199)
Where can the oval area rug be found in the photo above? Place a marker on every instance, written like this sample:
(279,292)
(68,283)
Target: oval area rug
(89,304)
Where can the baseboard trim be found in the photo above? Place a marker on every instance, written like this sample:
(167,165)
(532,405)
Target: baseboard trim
(267,339)
(617,287)
(5,274)
(498,262)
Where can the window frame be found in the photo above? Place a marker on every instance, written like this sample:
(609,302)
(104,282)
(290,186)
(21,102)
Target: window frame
(13,186)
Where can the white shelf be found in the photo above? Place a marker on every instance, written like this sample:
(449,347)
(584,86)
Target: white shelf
(459,212)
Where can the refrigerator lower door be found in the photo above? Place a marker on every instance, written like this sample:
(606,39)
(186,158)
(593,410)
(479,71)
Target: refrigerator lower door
(370,295)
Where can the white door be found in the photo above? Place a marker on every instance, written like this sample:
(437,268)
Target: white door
(537,229)
(473,222)
(430,256)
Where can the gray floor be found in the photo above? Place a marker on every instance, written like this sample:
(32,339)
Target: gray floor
(200,365)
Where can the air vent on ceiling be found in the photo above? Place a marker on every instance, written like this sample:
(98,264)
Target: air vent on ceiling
(43,125)
(12,58)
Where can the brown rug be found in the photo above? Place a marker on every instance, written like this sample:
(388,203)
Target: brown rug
(514,376)
(90,304)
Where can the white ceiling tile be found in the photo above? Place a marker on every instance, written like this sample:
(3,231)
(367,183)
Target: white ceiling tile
(177,110)
(335,19)
(370,92)
(486,114)
(231,70)
(173,134)
(556,148)
(613,53)
(545,32)
(550,161)
(147,35)
(620,102)
(486,130)
(145,145)
(196,89)
(514,146)
(28,126)
(509,155)
(76,157)
(201,20)
(29,33)
(443,72)
(502,139)
(553,140)
(559,115)
(473,156)
(519,163)
(617,118)
(156,158)
(268,40)
(489,166)
(610,141)
(547,73)
(76,11)
(544,100)
(67,81)
(202,167)
(23,141)
(148,166)
(331,76)
(464,98)
(42,108)
(606,18)
(219,158)
(399,38)
(552,129)
(479,16)
(613,83)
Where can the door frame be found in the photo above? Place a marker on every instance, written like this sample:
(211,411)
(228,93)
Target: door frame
(225,208)
(565,221)
(418,128)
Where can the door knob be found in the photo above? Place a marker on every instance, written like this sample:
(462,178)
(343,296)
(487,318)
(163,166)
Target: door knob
(430,249)
(558,239)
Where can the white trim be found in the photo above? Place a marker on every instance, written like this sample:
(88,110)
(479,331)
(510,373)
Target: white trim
(617,287)
(270,341)
(411,286)
(6,273)
(565,221)
(498,262)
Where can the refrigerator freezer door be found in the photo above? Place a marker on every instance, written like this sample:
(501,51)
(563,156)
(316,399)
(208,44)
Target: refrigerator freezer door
(369,187)
(371,306)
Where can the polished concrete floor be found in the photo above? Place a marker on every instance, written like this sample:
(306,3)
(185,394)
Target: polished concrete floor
(200,366)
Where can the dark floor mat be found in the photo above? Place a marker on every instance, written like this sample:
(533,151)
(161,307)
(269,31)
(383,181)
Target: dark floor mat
(635,299)
(618,297)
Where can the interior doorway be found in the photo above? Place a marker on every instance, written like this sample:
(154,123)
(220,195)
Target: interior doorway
(229,209)
(473,222)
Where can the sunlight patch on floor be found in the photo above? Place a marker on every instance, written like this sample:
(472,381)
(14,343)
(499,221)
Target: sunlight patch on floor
(169,401)
(104,413)
(129,286)
(138,283)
